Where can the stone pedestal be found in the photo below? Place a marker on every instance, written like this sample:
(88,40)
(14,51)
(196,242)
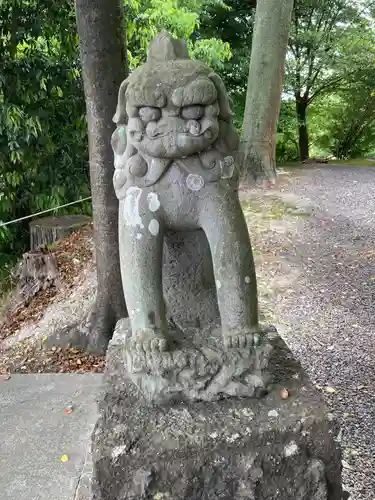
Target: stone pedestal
(221,446)
(197,368)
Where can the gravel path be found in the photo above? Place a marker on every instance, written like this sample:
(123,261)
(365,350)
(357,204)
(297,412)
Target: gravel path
(326,309)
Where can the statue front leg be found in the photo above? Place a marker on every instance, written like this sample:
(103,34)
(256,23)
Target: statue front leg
(222,220)
(141,247)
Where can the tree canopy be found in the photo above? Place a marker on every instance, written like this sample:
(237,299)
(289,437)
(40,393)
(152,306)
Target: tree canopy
(331,42)
(42,131)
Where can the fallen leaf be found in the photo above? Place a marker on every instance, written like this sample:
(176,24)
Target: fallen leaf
(64,458)
(68,411)
(330,390)
(352,452)
(346,465)
(284,393)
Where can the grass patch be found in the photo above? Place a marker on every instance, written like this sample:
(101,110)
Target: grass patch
(270,208)
(52,246)
(354,162)
(273,208)
(299,213)
(289,164)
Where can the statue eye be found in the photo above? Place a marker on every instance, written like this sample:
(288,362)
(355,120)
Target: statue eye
(192,112)
(149,114)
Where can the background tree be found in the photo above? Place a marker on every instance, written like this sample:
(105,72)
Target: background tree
(343,122)
(269,45)
(286,137)
(233,24)
(101,31)
(330,40)
(43,156)
(182,19)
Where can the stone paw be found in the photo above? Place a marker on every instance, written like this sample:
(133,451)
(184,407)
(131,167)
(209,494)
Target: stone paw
(149,341)
(239,339)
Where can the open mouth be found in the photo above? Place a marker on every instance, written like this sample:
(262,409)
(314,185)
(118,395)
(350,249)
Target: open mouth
(166,134)
(158,135)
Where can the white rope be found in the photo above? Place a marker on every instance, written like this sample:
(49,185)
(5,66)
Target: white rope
(2,224)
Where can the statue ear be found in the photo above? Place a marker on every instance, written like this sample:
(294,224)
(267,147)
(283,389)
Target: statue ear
(121,116)
(224,100)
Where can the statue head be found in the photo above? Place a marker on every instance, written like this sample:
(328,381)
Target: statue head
(172,106)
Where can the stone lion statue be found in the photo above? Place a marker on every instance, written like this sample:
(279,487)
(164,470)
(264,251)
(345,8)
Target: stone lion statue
(175,172)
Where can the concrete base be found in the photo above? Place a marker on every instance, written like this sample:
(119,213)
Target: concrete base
(233,449)
(35,433)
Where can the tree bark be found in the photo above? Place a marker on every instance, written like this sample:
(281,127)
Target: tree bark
(257,155)
(303,134)
(101,30)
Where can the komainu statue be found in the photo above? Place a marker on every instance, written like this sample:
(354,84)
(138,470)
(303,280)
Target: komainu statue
(197,409)
(174,172)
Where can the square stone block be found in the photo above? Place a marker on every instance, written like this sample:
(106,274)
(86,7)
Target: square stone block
(234,448)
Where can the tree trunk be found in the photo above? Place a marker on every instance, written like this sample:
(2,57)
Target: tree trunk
(303,135)
(257,156)
(101,30)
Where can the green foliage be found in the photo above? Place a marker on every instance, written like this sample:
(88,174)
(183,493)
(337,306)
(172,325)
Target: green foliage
(343,123)
(233,24)
(331,43)
(287,140)
(326,36)
(181,19)
(211,50)
(43,152)
(43,131)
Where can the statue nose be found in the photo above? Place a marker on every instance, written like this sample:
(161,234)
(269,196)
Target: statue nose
(171,113)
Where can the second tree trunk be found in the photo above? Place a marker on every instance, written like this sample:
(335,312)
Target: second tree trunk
(303,135)
(270,39)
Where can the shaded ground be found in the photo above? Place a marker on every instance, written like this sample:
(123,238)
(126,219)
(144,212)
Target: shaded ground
(23,330)
(316,273)
(73,254)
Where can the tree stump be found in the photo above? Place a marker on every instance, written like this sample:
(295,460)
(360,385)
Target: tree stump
(37,271)
(47,230)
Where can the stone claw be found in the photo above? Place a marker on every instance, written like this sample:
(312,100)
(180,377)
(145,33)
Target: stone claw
(148,341)
(238,340)
(158,344)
